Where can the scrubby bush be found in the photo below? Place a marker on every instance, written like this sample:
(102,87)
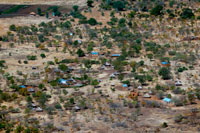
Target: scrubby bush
(63,67)
(43,55)
(178,101)
(164,72)
(157,10)
(172,53)
(181,69)
(92,21)
(119,5)
(32,57)
(187,13)
(80,53)
(89,3)
(178,118)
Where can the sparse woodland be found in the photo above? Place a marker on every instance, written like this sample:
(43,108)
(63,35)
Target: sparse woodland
(111,66)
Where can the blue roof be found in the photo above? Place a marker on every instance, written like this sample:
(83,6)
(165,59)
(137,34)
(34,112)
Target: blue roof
(94,53)
(125,85)
(115,54)
(168,100)
(22,86)
(164,62)
(62,80)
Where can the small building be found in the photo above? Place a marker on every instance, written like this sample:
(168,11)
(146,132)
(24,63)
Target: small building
(178,83)
(71,34)
(38,109)
(112,84)
(125,85)
(165,64)
(78,85)
(146,95)
(33,105)
(22,86)
(77,108)
(140,87)
(79,41)
(112,75)
(94,53)
(167,100)
(107,64)
(63,82)
(32,13)
(31,90)
(115,55)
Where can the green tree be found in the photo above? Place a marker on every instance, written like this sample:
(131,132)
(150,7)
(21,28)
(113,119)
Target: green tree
(119,5)
(12,27)
(191,97)
(75,7)
(63,67)
(43,55)
(89,3)
(47,15)
(80,53)
(94,82)
(164,72)
(157,10)
(92,21)
(122,22)
(39,11)
(187,13)
(19,129)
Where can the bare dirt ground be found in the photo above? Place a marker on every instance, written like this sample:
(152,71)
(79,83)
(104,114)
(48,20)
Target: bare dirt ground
(48,2)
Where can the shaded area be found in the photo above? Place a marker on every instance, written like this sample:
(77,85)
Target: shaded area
(7,11)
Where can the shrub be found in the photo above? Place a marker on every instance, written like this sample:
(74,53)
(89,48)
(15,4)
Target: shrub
(164,125)
(177,102)
(119,5)
(12,27)
(157,10)
(122,22)
(80,53)
(75,7)
(58,106)
(89,3)
(25,62)
(67,24)
(43,55)
(172,53)
(92,21)
(178,118)
(164,72)
(181,69)
(39,11)
(63,67)
(187,13)
(31,57)
(2,62)
(177,91)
